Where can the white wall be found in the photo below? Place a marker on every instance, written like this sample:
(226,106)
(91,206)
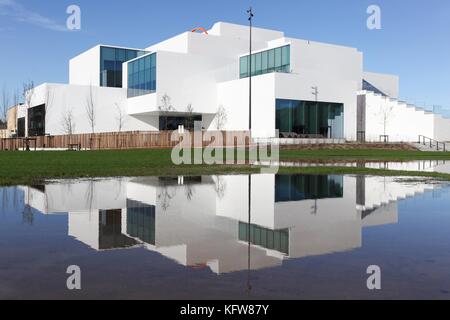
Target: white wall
(84,69)
(317,60)
(72,97)
(386,83)
(403,122)
(441,128)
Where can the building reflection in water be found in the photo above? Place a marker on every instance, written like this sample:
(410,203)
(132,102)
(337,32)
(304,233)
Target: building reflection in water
(226,223)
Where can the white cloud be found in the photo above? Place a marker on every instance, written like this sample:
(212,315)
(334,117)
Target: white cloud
(18,12)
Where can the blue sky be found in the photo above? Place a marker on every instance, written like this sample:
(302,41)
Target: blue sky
(414,41)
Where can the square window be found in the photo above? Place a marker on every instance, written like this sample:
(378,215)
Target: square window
(108,53)
(131,54)
(121,55)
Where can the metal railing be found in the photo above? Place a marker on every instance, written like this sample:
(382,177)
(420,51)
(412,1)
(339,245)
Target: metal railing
(432,143)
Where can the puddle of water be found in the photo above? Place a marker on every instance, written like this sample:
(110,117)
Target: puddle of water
(226,237)
(438,166)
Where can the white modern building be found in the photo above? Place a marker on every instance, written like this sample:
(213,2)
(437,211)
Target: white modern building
(302,88)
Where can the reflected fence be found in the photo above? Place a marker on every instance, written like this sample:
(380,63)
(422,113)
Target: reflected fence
(121,140)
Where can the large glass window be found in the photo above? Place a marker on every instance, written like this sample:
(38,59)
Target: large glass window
(309,119)
(274,60)
(141,221)
(111,61)
(172,123)
(270,239)
(36,121)
(142,76)
(308,187)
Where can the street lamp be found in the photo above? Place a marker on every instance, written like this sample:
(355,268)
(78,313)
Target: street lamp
(250,19)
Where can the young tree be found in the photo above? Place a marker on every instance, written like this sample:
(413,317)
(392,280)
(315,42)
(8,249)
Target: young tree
(68,122)
(165,107)
(28,93)
(190,117)
(16,97)
(386,113)
(120,118)
(91,108)
(221,118)
(49,97)
(4,104)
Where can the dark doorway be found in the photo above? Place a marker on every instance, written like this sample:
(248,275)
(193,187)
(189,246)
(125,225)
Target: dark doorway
(21,127)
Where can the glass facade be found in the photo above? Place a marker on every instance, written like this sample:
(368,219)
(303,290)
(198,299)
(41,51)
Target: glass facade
(308,119)
(141,221)
(274,60)
(142,76)
(270,239)
(308,187)
(36,121)
(111,60)
(172,123)
(110,231)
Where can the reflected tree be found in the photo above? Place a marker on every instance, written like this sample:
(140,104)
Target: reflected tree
(189,191)
(165,107)
(220,187)
(221,118)
(165,196)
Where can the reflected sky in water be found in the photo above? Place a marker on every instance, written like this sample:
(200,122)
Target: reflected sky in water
(227,237)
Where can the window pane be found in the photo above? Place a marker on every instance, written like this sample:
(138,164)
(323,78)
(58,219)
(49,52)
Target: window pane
(121,55)
(153,79)
(285,55)
(264,61)
(108,54)
(244,67)
(131,54)
(147,62)
(271,57)
(277,57)
(258,63)
(253,65)
(153,60)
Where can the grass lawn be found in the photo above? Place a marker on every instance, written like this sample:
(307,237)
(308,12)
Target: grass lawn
(32,167)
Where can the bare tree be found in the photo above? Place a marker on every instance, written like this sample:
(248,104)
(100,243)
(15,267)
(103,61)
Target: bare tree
(120,118)
(28,93)
(68,122)
(49,97)
(5,104)
(221,118)
(166,106)
(386,112)
(90,109)
(190,117)
(16,98)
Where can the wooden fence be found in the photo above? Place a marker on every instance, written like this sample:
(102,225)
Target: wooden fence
(123,140)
